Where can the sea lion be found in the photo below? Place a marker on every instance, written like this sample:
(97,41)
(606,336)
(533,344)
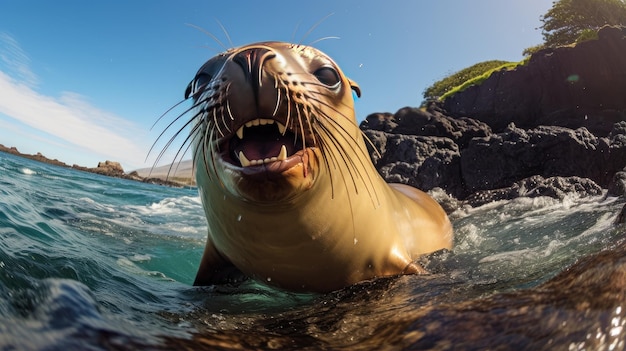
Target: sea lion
(290,194)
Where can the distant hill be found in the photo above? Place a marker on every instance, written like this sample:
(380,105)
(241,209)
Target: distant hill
(178,172)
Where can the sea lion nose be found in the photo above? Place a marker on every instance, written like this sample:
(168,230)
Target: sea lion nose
(251,62)
(258,77)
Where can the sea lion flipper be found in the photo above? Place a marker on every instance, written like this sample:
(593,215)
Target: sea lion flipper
(215,269)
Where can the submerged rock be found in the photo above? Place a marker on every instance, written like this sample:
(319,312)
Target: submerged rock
(617,187)
(535,186)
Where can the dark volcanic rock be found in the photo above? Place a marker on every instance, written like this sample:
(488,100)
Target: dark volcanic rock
(421,148)
(420,161)
(617,187)
(428,150)
(581,86)
(621,216)
(414,121)
(501,159)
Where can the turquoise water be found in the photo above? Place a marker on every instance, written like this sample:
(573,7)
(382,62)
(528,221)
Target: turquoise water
(91,262)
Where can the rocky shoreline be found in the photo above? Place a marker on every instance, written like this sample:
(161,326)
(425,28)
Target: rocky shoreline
(532,131)
(106,168)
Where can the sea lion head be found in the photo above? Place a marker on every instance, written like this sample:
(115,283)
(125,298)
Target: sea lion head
(269,118)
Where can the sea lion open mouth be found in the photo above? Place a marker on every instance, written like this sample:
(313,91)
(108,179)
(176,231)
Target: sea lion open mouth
(263,141)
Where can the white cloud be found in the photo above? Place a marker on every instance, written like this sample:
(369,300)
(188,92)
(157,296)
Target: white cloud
(69,117)
(16,60)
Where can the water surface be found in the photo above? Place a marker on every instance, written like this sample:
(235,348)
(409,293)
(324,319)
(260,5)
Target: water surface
(91,262)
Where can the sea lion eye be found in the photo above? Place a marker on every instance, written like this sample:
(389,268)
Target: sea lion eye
(327,76)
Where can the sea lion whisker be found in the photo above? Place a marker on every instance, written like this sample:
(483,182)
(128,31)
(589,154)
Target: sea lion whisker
(216,123)
(298,108)
(371,143)
(169,142)
(278,92)
(230,112)
(180,159)
(168,111)
(329,157)
(222,110)
(306,35)
(350,165)
(225,33)
(345,184)
(206,141)
(295,30)
(308,117)
(169,126)
(167,145)
(322,102)
(219,42)
(362,162)
(213,149)
(322,39)
(288,102)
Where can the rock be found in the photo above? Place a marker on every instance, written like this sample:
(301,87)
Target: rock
(495,163)
(501,159)
(414,121)
(617,187)
(581,86)
(421,148)
(424,162)
(536,186)
(621,216)
(109,168)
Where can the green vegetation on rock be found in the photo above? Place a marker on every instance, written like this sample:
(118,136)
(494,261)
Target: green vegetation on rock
(480,78)
(568,22)
(441,87)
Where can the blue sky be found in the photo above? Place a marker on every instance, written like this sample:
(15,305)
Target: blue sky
(83,81)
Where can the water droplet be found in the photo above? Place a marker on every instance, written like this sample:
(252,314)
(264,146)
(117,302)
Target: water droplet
(239,218)
(355,241)
(269,279)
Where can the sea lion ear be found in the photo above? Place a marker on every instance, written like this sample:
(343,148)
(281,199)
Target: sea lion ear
(355,87)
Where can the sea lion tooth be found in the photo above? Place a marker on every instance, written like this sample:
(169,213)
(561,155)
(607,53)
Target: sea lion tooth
(244,160)
(282,155)
(240,132)
(281,128)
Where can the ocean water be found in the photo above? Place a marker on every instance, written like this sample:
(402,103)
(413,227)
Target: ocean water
(95,263)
